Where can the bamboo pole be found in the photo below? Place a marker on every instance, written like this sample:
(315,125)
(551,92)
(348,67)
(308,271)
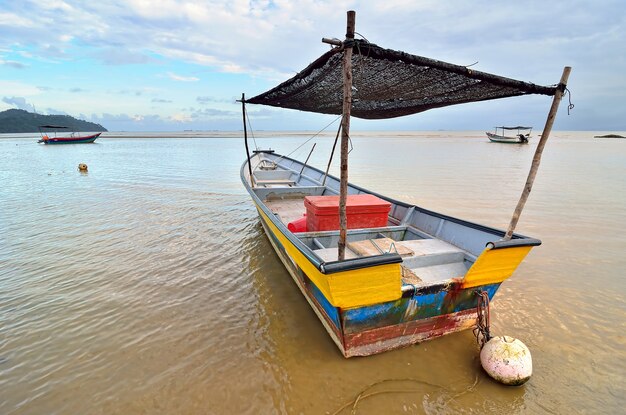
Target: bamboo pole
(245,136)
(558,95)
(345,135)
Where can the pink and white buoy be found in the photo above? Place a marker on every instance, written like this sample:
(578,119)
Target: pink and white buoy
(507,360)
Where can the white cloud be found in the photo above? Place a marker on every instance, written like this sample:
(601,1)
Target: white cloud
(15,20)
(13,64)
(19,103)
(175,77)
(19,88)
(283,35)
(180,117)
(119,56)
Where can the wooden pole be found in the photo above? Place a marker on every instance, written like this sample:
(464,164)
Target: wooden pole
(558,95)
(245,136)
(345,135)
(307,158)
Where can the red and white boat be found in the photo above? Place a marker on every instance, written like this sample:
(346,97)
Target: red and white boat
(72,138)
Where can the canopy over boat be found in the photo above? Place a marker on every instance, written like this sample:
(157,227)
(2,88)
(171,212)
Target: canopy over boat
(388,83)
(52,126)
(519,127)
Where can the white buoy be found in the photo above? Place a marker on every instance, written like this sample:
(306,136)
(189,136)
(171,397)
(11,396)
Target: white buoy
(507,360)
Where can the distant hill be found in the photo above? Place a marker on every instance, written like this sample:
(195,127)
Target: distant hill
(20,121)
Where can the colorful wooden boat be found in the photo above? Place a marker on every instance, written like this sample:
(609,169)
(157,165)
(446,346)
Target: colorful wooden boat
(407,281)
(380,273)
(72,138)
(499,135)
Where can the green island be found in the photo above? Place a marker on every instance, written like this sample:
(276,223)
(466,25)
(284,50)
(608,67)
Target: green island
(19,121)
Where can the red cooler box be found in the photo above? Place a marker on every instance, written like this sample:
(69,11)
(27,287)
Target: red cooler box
(363,211)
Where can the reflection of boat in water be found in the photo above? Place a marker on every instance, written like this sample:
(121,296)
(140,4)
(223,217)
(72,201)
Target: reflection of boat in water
(521,137)
(72,138)
(380,273)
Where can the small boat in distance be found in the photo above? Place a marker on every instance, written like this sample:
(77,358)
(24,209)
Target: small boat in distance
(522,136)
(72,138)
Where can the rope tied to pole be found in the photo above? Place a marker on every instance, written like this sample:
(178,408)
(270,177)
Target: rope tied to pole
(251,130)
(569,97)
(481,331)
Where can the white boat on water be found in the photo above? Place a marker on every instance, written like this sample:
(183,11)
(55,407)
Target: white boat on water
(521,137)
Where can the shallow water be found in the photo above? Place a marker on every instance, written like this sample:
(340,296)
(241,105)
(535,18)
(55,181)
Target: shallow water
(147,284)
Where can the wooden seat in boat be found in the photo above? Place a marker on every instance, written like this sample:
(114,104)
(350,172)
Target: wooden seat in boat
(379,246)
(425,261)
(275,182)
(267,178)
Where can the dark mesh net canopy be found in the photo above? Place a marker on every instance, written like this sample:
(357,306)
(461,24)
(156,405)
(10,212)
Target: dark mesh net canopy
(388,84)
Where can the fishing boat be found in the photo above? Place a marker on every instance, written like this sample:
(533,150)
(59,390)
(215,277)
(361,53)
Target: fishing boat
(71,138)
(521,136)
(380,273)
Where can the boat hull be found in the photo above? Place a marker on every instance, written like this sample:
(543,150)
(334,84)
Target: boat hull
(422,315)
(359,320)
(70,140)
(506,139)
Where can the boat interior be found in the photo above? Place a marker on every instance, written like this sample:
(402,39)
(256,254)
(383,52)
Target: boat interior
(434,248)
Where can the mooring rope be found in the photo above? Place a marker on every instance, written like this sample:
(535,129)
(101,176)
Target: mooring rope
(361,396)
(481,331)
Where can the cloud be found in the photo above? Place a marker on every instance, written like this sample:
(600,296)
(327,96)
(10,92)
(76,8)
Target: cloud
(75,90)
(17,88)
(214,113)
(135,92)
(256,36)
(53,51)
(15,20)
(161,101)
(117,56)
(19,102)
(262,42)
(208,99)
(106,117)
(13,64)
(182,78)
(55,111)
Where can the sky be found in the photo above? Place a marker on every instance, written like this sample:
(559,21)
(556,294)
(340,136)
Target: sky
(173,65)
